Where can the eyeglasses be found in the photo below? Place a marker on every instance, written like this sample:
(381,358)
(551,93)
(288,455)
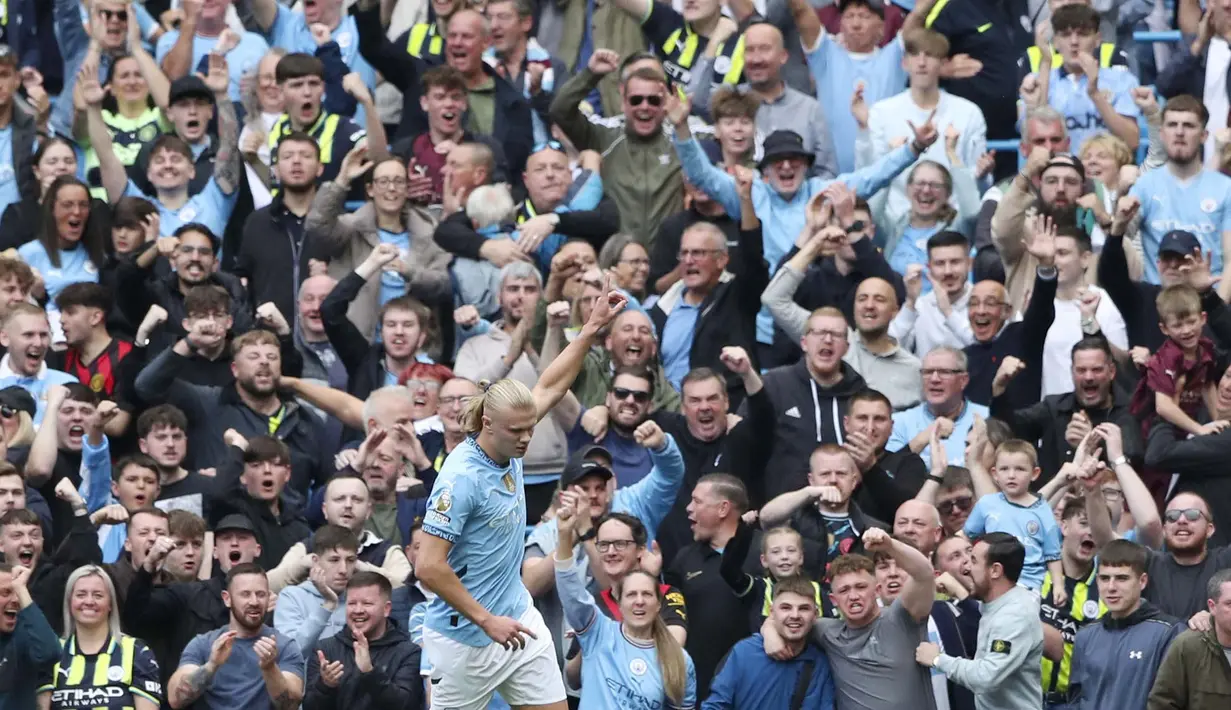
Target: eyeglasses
(425,384)
(1192,515)
(959,503)
(450,401)
(547,145)
(686,254)
(827,334)
(189,250)
(654,100)
(387,182)
(930,185)
(622,393)
(619,545)
(944,372)
(109,15)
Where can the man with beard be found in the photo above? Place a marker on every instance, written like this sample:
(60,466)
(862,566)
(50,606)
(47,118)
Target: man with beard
(21,542)
(244,662)
(1005,672)
(809,400)
(996,338)
(945,412)
(27,642)
(347,505)
(889,480)
(639,147)
(171,167)
(630,342)
(162,434)
(26,338)
(252,483)
(1061,421)
(750,678)
(1061,622)
(1104,675)
(275,268)
(370,663)
(252,406)
(192,253)
(1053,185)
(1182,194)
(71,447)
(871,649)
(505,351)
(876,355)
(169,614)
(711,444)
(627,407)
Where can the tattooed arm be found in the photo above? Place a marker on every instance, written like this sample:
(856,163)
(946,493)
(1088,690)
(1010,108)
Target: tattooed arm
(227,163)
(189,683)
(285,689)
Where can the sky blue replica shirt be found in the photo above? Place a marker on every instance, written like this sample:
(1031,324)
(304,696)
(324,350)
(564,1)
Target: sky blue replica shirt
(211,207)
(480,507)
(240,60)
(909,422)
(619,672)
(75,267)
(1067,94)
(1035,525)
(1201,205)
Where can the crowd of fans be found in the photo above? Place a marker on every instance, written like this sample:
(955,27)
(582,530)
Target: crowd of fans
(873,418)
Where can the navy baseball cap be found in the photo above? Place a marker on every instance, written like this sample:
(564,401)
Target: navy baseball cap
(1179,241)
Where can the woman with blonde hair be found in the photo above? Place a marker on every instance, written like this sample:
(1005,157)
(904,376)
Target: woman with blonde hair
(97,660)
(638,652)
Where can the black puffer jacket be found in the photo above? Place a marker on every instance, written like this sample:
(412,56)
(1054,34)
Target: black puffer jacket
(392,684)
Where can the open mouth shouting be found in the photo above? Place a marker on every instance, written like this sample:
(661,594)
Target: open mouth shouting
(235,556)
(25,556)
(307,112)
(76,434)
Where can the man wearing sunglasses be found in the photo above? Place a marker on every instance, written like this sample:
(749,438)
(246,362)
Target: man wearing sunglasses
(627,406)
(1180,572)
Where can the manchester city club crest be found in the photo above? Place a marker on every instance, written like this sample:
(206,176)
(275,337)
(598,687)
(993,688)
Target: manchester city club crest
(508,482)
(638,666)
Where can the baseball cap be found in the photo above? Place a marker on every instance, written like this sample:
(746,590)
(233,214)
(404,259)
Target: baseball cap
(235,521)
(582,464)
(18,399)
(188,87)
(1179,241)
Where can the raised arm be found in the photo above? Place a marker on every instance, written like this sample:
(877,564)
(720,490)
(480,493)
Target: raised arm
(807,21)
(41,460)
(160,87)
(920,589)
(559,376)
(177,62)
(227,165)
(344,407)
(115,177)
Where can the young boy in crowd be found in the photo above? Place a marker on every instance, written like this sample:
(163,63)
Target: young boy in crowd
(1017,511)
(1182,374)
(134,486)
(782,556)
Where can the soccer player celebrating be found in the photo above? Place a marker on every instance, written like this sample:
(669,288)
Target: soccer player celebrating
(481,633)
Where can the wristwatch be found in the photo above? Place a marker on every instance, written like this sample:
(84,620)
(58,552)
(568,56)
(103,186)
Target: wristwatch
(588,535)
(936,662)
(1120,460)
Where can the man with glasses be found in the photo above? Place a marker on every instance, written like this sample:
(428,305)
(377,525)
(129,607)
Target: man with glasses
(708,309)
(945,412)
(191,251)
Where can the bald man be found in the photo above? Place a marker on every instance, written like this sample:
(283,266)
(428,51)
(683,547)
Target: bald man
(996,339)
(918,523)
(782,107)
(874,353)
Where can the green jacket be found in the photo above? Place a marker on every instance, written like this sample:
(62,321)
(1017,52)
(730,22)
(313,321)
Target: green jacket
(643,176)
(610,28)
(592,384)
(1193,676)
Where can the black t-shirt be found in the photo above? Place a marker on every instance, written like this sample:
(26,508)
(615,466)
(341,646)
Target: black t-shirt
(189,493)
(1179,590)
(68,465)
(973,29)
